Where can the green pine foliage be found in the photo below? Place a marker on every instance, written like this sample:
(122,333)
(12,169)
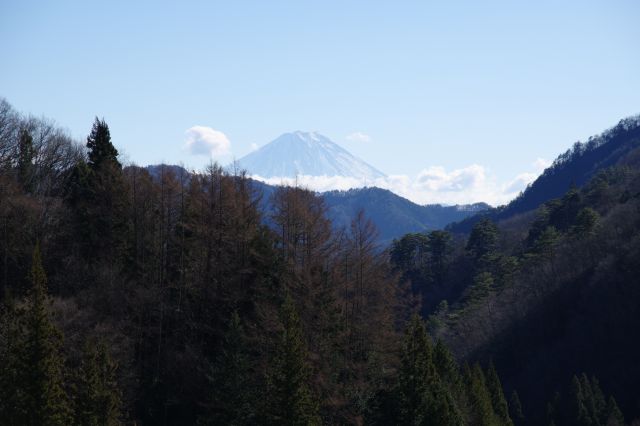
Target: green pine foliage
(614,416)
(483,243)
(417,373)
(446,366)
(98,397)
(289,400)
(423,397)
(97,197)
(585,405)
(515,408)
(232,399)
(585,223)
(41,381)
(481,407)
(101,150)
(498,401)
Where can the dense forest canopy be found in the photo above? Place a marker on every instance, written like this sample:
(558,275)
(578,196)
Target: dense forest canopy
(138,296)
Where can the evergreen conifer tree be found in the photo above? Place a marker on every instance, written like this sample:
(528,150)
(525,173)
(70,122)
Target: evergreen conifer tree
(614,416)
(446,366)
(515,408)
(97,196)
(98,399)
(416,371)
(231,401)
(498,400)
(101,150)
(45,400)
(423,398)
(579,411)
(289,400)
(479,397)
(483,243)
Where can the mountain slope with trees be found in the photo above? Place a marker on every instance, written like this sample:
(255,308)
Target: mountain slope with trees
(392,214)
(176,299)
(547,298)
(132,298)
(576,166)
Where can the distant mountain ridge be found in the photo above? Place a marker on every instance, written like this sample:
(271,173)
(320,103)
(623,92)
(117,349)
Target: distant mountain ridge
(393,215)
(306,153)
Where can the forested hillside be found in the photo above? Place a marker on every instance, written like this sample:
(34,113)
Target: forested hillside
(552,299)
(575,167)
(137,296)
(393,215)
(129,298)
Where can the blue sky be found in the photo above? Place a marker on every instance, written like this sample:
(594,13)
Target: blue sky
(474,88)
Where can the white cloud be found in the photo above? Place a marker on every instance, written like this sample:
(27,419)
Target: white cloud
(358,137)
(436,179)
(520,182)
(541,164)
(254,147)
(316,183)
(202,140)
(435,184)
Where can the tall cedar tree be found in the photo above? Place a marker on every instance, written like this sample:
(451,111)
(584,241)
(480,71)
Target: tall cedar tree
(498,400)
(289,400)
(231,397)
(41,382)
(586,405)
(515,408)
(101,150)
(423,399)
(448,370)
(614,415)
(482,413)
(97,196)
(98,398)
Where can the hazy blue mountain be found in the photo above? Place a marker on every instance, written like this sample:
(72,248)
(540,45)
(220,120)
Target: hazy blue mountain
(306,153)
(575,167)
(393,215)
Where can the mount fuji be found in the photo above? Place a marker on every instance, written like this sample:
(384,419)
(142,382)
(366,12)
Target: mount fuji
(306,153)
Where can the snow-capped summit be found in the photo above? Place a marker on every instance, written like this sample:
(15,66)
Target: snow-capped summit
(306,153)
